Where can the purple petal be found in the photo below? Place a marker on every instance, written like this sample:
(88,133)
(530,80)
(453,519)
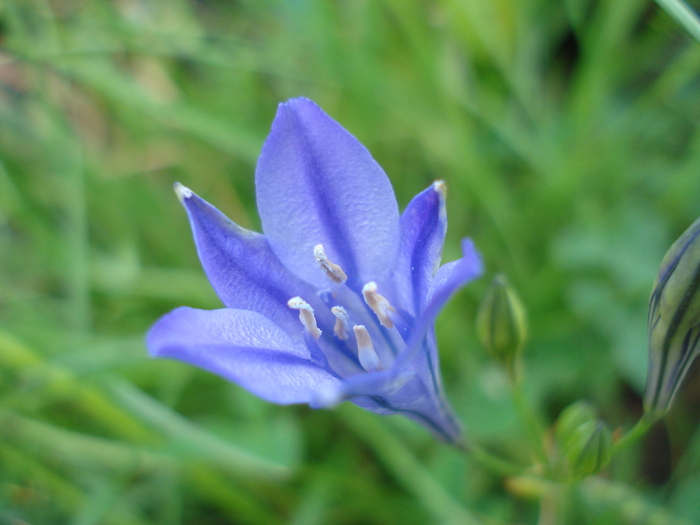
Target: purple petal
(413,389)
(362,384)
(244,347)
(449,278)
(423,227)
(425,395)
(417,401)
(452,276)
(241,266)
(316,184)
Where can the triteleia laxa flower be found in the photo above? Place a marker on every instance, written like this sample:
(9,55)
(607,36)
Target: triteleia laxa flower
(674,321)
(337,300)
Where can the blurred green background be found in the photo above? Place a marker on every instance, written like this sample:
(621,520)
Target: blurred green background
(566,132)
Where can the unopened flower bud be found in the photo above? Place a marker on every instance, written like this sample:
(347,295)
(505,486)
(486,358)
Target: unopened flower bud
(501,324)
(674,321)
(588,449)
(570,419)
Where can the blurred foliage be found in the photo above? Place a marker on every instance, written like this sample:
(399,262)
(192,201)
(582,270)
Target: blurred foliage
(566,132)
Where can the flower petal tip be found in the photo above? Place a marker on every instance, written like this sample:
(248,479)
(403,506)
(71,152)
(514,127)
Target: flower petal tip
(327,398)
(469,249)
(440,187)
(153,344)
(298,101)
(295,105)
(182,192)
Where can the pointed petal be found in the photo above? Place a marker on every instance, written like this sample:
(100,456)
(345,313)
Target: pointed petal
(316,184)
(244,347)
(423,227)
(449,279)
(241,266)
(451,276)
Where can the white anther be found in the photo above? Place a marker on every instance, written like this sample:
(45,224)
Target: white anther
(365,350)
(306,315)
(378,304)
(341,322)
(334,272)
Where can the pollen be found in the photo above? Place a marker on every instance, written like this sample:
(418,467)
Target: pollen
(306,315)
(365,349)
(334,272)
(378,304)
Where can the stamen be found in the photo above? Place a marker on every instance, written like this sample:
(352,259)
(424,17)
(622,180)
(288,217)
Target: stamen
(378,304)
(306,315)
(341,322)
(365,350)
(334,272)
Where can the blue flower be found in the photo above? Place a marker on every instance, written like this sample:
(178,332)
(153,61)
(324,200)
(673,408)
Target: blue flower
(338,299)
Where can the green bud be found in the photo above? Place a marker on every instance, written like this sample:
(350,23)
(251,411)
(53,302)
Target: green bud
(570,419)
(501,324)
(584,441)
(589,448)
(674,321)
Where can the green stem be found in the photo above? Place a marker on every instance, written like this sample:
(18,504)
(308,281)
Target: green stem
(630,506)
(407,470)
(491,461)
(531,422)
(637,431)
(684,15)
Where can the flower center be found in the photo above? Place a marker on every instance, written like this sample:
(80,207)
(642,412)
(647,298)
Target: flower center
(365,326)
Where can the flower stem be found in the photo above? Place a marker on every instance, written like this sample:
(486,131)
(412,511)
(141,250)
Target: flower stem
(683,14)
(637,431)
(407,470)
(530,421)
(491,461)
